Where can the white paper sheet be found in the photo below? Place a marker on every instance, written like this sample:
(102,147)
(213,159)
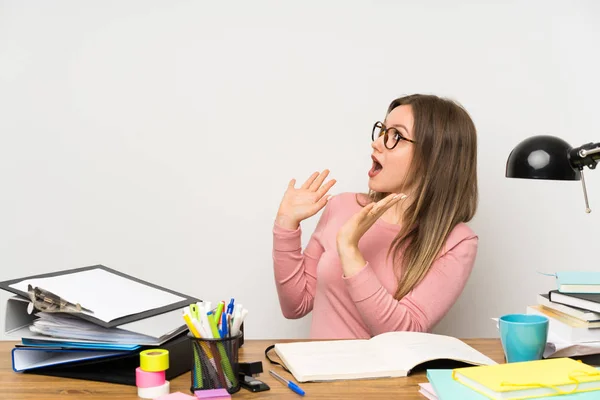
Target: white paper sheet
(556,347)
(108,295)
(68,327)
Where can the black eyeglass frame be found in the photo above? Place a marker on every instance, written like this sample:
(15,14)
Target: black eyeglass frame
(380,127)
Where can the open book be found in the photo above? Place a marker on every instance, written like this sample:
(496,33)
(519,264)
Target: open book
(390,354)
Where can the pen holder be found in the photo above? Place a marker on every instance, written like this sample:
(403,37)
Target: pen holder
(216,364)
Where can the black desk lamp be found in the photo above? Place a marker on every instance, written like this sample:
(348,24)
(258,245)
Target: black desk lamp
(549,157)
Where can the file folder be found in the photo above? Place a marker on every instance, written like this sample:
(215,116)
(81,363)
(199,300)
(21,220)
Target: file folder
(158,328)
(29,358)
(76,345)
(121,368)
(107,361)
(157,325)
(102,294)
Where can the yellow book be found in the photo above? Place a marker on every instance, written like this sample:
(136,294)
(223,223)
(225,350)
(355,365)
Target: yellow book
(530,379)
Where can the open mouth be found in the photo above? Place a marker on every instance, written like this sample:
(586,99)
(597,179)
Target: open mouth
(375,168)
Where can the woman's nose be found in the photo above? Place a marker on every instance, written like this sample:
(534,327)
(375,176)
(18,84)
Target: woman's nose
(378,144)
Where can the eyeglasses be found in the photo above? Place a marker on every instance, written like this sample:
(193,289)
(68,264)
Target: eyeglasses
(391,135)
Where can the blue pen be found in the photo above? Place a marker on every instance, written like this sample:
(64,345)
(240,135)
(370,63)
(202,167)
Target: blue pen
(230,306)
(224,325)
(295,388)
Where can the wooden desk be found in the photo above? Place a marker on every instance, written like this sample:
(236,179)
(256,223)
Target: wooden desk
(17,386)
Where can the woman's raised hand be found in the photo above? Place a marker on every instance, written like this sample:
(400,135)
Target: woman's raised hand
(304,202)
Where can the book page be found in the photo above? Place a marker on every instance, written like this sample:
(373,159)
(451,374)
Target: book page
(387,355)
(409,349)
(330,360)
(108,295)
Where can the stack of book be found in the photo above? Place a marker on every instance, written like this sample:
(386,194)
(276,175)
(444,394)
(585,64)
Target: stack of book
(573,310)
(559,378)
(92,323)
(574,313)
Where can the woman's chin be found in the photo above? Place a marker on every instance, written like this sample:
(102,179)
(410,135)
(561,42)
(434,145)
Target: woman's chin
(379,188)
(375,187)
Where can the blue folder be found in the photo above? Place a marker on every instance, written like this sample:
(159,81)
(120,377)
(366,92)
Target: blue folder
(29,358)
(447,388)
(79,345)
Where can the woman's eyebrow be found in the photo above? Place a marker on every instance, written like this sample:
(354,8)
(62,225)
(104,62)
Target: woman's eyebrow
(400,126)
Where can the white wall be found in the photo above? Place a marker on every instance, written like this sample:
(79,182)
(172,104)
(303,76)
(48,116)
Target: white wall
(157,137)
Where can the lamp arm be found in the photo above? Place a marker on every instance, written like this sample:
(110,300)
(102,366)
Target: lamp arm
(584,153)
(587,155)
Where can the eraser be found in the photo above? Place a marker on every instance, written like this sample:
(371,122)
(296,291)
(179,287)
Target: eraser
(212,394)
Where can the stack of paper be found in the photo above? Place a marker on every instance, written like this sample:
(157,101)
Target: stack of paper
(74,328)
(120,314)
(557,347)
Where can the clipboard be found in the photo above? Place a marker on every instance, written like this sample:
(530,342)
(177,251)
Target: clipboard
(187,300)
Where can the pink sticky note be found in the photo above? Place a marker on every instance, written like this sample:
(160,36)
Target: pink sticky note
(176,396)
(212,394)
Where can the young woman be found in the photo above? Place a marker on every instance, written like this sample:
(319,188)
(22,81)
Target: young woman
(397,258)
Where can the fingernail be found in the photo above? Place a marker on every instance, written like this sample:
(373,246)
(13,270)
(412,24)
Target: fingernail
(329,197)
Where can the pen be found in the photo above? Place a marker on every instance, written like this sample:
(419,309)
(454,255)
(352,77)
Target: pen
(238,321)
(218,312)
(237,309)
(225,363)
(213,325)
(224,331)
(194,311)
(204,320)
(190,324)
(295,388)
(230,306)
(236,313)
(195,317)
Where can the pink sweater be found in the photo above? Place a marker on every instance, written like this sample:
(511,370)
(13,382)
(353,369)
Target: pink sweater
(362,306)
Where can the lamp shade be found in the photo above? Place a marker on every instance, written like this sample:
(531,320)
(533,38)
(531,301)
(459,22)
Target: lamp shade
(542,157)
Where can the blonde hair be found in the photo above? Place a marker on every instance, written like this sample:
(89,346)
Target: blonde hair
(443,174)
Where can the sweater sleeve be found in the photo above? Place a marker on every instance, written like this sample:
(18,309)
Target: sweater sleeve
(295,270)
(423,307)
